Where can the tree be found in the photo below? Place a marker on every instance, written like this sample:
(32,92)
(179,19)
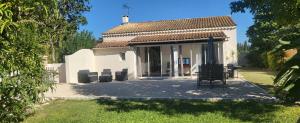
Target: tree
(22,77)
(287,81)
(285,14)
(62,23)
(79,40)
(23,43)
(261,33)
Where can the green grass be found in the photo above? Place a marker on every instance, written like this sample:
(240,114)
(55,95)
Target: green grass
(168,111)
(184,111)
(262,78)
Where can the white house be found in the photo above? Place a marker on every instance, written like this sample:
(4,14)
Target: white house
(167,48)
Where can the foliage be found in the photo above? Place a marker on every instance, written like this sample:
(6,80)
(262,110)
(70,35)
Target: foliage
(284,18)
(288,79)
(243,47)
(63,23)
(22,75)
(24,35)
(79,40)
(275,60)
(243,51)
(261,33)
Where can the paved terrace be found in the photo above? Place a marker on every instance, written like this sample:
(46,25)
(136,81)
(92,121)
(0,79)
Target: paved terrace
(160,89)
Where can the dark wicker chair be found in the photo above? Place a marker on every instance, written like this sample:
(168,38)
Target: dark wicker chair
(211,72)
(122,75)
(83,76)
(230,70)
(93,76)
(106,76)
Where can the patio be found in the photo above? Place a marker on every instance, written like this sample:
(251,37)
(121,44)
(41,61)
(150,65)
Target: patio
(236,89)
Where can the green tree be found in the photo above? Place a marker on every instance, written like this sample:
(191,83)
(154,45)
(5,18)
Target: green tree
(25,27)
(284,18)
(261,33)
(22,77)
(79,40)
(62,23)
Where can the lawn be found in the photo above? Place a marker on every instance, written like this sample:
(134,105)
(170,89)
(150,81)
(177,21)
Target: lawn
(170,111)
(262,78)
(184,111)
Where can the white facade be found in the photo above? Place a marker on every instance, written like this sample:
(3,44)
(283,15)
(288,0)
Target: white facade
(97,59)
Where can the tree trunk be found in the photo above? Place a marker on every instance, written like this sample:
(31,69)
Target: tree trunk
(52,50)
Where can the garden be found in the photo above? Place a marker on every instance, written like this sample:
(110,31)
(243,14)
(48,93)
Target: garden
(31,30)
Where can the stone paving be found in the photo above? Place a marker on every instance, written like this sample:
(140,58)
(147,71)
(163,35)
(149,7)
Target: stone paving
(160,89)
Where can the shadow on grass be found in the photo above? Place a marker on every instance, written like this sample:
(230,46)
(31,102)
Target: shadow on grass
(242,110)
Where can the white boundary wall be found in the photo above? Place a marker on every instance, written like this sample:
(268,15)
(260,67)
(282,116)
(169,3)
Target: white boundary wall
(80,60)
(96,60)
(60,69)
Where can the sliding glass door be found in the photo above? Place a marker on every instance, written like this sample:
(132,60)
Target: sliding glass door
(154,61)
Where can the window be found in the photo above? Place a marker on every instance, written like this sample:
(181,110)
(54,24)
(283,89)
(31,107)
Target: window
(122,56)
(186,61)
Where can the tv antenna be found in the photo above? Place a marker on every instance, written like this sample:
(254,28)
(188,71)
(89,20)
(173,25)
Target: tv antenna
(127,8)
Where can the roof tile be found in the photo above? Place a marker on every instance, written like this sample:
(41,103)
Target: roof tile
(109,44)
(180,24)
(169,38)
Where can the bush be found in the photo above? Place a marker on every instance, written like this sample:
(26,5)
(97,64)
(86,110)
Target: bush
(255,59)
(274,60)
(23,78)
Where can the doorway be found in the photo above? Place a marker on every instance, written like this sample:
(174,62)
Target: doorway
(155,61)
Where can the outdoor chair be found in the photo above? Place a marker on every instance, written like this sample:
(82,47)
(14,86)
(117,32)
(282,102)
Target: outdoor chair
(83,76)
(106,76)
(230,70)
(233,70)
(93,76)
(122,75)
(211,72)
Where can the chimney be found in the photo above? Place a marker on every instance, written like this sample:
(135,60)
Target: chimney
(125,19)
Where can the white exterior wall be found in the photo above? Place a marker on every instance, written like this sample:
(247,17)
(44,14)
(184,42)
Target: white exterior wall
(109,58)
(60,68)
(80,60)
(230,47)
(98,59)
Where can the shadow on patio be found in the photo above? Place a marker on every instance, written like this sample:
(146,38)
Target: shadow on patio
(170,89)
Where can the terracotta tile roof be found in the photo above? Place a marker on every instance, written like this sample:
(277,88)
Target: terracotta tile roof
(180,24)
(169,38)
(112,44)
(176,38)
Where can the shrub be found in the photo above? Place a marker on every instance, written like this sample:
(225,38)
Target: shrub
(23,78)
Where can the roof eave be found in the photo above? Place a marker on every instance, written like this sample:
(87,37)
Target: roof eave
(166,31)
(173,41)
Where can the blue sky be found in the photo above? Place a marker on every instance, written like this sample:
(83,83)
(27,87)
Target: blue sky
(106,14)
